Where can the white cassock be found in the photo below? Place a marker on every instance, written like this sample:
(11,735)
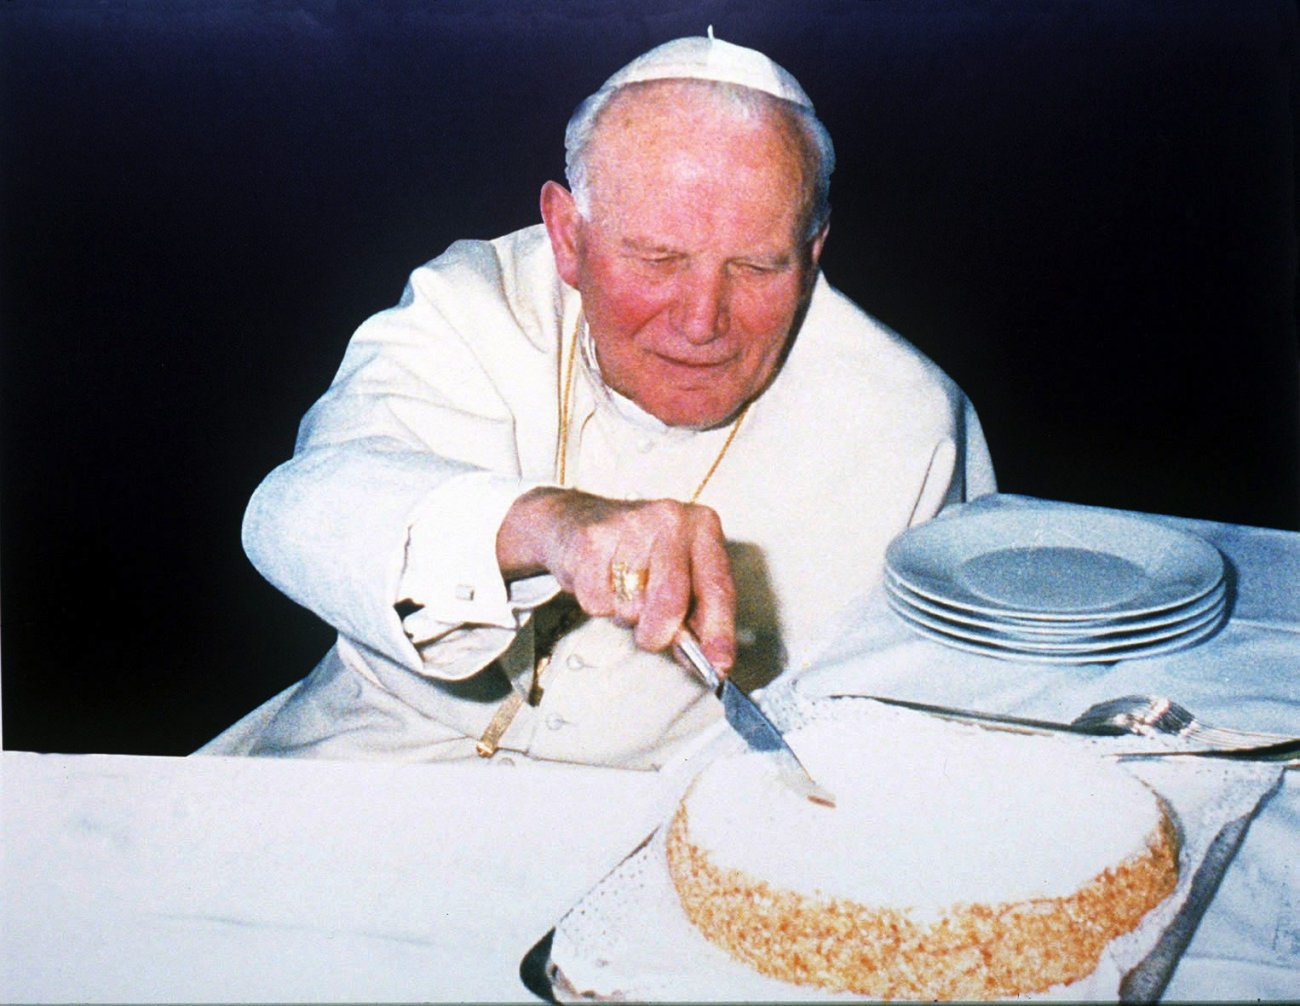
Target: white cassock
(447,407)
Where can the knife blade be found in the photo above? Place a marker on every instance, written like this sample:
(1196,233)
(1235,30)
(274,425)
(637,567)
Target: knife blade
(753,726)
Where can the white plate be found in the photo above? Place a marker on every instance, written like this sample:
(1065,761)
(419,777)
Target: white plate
(1039,645)
(1054,563)
(1054,630)
(1073,657)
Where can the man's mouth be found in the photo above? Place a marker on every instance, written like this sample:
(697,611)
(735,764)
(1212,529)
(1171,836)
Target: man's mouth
(695,365)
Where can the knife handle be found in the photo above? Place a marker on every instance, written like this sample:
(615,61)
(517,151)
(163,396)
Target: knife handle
(690,649)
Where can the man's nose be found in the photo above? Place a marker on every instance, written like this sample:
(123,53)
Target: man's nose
(702,306)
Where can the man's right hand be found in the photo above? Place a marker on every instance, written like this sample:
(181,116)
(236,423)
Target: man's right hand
(579,538)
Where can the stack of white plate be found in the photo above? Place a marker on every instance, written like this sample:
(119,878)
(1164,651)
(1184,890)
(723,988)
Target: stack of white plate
(1056,583)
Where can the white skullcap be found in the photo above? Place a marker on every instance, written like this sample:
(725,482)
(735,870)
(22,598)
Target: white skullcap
(708,58)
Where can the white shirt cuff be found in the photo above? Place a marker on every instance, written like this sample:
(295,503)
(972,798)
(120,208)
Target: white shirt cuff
(451,568)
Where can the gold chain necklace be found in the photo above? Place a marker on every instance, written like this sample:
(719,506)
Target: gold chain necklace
(566,421)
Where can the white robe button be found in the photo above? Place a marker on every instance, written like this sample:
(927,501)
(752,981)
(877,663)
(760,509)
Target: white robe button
(555,721)
(574,662)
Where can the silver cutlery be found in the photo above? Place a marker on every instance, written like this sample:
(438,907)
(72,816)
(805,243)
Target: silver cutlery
(1148,716)
(754,728)
(1151,715)
(1146,982)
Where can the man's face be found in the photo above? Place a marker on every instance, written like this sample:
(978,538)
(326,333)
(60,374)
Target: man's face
(693,264)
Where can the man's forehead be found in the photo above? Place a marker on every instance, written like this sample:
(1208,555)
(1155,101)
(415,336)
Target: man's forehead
(655,167)
(642,210)
(691,125)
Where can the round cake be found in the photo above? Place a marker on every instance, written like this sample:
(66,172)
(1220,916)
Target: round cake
(958,862)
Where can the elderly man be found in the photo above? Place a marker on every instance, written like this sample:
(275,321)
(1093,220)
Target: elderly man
(565,446)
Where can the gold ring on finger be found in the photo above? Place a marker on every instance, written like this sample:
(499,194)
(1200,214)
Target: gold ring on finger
(628,581)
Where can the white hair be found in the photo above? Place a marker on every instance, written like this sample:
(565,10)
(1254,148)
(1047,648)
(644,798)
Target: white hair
(746,104)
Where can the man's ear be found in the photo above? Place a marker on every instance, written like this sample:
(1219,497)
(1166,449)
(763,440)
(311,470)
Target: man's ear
(814,252)
(818,242)
(564,227)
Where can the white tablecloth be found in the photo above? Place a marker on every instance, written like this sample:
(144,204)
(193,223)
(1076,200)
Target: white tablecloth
(132,879)
(210,879)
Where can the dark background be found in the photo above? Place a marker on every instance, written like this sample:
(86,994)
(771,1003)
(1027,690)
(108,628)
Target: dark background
(1084,211)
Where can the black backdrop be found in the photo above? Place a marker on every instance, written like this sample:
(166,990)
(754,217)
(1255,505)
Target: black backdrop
(1082,209)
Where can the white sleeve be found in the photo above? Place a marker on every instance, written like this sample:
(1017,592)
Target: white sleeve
(404,468)
(451,573)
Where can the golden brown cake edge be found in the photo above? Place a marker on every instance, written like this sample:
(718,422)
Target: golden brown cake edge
(971,952)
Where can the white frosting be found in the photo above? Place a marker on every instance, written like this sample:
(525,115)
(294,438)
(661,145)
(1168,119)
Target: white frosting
(927,816)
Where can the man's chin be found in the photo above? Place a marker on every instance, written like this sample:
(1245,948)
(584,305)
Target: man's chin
(694,416)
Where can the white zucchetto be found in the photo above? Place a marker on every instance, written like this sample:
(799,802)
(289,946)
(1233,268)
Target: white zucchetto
(707,58)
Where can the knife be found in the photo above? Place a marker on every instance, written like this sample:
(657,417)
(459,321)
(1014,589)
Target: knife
(1147,981)
(1284,750)
(754,728)
(971,715)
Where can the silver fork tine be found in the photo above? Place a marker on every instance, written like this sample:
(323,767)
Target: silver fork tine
(1227,735)
(1154,714)
(1169,717)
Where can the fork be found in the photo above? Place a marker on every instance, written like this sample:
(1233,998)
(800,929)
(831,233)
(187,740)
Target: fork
(1131,715)
(1154,715)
